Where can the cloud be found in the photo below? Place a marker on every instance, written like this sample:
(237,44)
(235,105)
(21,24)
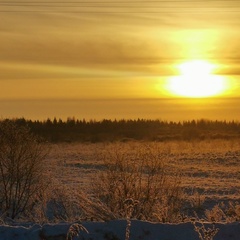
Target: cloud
(60,44)
(140,42)
(92,49)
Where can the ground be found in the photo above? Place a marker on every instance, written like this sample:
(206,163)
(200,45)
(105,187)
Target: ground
(210,175)
(115,230)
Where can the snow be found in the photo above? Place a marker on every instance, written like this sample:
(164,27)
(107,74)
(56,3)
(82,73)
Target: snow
(208,166)
(139,230)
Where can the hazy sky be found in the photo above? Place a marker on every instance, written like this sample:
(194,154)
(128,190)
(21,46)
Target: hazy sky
(113,49)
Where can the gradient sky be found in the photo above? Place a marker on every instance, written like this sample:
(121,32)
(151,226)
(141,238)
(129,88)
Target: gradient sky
(113,49)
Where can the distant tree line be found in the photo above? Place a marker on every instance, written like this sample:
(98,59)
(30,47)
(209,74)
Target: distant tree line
(57,130)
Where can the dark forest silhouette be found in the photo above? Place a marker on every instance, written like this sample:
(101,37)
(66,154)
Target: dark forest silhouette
(72,129)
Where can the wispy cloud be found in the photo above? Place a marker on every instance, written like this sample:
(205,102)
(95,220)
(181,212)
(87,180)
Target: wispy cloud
(111,40)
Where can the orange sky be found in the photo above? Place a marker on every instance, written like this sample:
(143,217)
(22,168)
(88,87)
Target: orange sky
(113,49)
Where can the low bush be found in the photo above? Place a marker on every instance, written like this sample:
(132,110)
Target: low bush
(143,175)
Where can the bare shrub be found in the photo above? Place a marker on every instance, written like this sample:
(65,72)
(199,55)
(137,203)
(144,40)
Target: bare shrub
(141,173)
(229,212)
(21,169)
(216,214)
(233,211)
(203,232)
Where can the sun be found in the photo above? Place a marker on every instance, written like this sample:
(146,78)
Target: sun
(196,80)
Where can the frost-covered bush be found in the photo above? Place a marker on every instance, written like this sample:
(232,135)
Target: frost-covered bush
(21,169)
(143,174)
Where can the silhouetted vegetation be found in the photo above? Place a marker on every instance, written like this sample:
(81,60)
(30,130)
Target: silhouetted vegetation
(21,169)
(72,129)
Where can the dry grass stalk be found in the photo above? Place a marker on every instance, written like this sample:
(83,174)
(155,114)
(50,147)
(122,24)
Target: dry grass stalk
(75,230)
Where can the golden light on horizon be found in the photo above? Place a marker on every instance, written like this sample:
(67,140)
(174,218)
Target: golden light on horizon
(197,80)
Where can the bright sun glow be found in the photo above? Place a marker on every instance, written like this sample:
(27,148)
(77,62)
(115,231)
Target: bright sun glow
(196,80)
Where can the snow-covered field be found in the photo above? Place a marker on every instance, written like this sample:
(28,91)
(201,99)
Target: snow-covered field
(210,169)
(210,175)
(115,230)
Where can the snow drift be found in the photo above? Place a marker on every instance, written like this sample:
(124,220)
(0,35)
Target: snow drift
(115,230)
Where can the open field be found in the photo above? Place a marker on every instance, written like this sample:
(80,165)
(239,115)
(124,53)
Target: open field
(210,170)
(127,190)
